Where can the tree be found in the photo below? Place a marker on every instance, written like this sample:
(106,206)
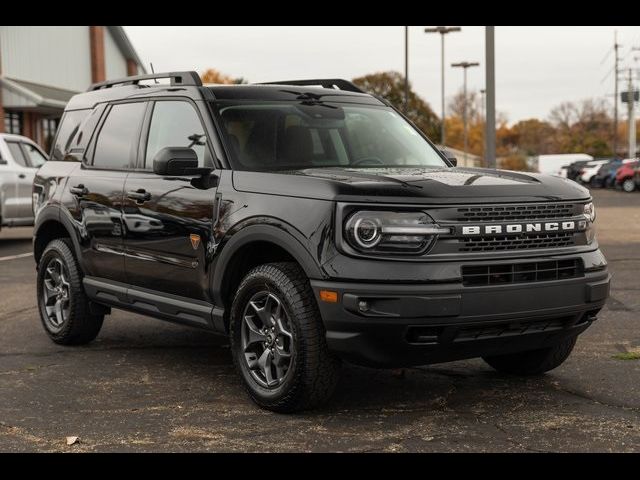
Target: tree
(211,75)
(533,136)
(390,86)
(584,127)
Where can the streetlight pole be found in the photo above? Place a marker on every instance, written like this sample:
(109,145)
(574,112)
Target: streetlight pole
(442,31)
(490,85)
(465,66)
(406,70)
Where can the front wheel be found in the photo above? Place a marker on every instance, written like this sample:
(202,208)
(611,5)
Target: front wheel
(63,305)
(278,340)
(628,185)
(533,362)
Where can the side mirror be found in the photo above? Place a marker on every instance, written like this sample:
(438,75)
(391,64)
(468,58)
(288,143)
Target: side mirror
(452,160)
(176,161)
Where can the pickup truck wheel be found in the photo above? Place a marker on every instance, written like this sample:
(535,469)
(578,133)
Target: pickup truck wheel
(278,340)
(63,305)
(629,185)
(533,362)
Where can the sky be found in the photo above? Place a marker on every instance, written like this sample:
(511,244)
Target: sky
(537,68)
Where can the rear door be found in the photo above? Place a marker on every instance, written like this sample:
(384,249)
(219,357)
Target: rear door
(97,189)
(167,220)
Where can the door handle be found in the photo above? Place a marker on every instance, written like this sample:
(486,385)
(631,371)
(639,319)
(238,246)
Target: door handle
(22,175)
(140,195)
(79,190)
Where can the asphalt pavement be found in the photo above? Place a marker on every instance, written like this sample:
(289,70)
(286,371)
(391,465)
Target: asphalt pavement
(147,385)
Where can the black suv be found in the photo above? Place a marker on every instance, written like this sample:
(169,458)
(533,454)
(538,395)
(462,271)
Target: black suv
(312,223)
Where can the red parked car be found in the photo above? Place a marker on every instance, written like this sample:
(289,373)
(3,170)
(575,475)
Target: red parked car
(625,174)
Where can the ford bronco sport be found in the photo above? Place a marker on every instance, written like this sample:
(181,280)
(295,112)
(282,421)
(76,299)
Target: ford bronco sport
(311,223)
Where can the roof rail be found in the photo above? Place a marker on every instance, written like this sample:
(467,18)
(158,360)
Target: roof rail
(177,78)
(338,83)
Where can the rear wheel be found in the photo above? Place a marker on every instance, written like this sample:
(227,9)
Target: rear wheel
(628,185)
(278,340)
(63,305)
(533,362)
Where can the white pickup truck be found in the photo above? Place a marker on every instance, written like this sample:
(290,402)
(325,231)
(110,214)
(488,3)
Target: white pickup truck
(20,157)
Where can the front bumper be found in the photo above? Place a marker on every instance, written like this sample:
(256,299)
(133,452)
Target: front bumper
(392,325)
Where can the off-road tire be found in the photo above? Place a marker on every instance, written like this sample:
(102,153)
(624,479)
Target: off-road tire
(534,362)
(81,326)
(314,370)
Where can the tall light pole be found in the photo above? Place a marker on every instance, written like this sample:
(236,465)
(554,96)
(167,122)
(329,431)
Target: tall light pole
(483,120)
(442,31)
(406,70)
(490,85)
(465,66)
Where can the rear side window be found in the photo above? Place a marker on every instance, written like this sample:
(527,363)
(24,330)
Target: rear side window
(117,141)
(176,124)
(17,153)
(69,135)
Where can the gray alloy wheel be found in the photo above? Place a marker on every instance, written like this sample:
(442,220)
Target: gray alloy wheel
(56,294)
(629,185)
(64,308)
(266,339)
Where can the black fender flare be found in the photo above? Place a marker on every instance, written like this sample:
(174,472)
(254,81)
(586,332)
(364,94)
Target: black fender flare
(55,214)
(261,233)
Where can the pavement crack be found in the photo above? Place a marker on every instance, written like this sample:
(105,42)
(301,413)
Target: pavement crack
(514,442)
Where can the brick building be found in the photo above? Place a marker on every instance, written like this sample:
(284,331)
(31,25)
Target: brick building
(42,67)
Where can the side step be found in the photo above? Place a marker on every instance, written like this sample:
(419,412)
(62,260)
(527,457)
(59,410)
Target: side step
(174,308)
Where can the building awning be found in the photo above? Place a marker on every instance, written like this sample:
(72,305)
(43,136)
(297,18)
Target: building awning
(20,94)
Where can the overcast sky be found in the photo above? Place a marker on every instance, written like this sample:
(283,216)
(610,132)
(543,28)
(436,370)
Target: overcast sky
(536,67)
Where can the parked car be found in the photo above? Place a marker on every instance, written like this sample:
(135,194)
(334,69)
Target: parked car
(310,222)
(20,157)
(625,176)
(606,176)
(589,171)
(574,169)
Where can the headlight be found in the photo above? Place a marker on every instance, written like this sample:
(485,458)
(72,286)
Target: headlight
(590,212)
(391,232)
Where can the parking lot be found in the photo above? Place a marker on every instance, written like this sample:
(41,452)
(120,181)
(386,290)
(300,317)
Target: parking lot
(146,385)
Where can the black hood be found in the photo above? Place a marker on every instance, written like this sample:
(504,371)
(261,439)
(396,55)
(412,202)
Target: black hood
(412,185)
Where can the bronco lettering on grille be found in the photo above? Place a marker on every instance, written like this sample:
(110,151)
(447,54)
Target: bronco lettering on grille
(567,226)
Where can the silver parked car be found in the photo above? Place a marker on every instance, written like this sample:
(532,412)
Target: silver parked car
(20,157)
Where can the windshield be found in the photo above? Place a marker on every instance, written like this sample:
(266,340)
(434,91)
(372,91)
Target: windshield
(297,135)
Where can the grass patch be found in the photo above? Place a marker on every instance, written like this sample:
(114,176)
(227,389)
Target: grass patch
(627,356)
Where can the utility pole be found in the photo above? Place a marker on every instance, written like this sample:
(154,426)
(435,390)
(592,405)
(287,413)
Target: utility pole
(406,70)
(465,66)
(632,117)
(490,85)
(442,31)
(616,46)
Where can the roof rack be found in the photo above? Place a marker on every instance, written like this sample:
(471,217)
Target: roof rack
(177,78)
(333,83)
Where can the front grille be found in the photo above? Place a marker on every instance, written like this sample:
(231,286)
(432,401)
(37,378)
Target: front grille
(548,270)
(515,212)
(516,242)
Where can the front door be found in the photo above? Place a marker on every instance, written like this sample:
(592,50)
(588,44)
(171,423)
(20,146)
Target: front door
(96,190)
(168,221)
(23,210)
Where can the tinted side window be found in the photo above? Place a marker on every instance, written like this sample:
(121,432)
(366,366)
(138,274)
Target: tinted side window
(176,124)
(117,141)
(17,154)
(67,131)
